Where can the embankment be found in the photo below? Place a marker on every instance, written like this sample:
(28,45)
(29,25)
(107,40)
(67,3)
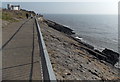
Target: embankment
(73,59)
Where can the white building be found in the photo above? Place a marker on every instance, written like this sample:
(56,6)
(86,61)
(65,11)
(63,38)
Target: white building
(13,7)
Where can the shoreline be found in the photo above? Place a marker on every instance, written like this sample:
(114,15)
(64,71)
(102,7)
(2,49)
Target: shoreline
(98,37)
(72,59)
(74,35)
(82,39)
(95,50)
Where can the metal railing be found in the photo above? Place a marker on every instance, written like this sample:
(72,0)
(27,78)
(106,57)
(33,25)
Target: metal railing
(47,70)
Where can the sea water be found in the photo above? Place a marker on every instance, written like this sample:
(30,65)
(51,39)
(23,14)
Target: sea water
(101,31)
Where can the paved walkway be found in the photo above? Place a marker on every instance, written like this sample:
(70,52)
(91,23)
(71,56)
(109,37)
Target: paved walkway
(20,54)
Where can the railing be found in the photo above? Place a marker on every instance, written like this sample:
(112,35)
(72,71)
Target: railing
(47,70)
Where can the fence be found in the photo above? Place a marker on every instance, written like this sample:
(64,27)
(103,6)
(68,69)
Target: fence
(48,73)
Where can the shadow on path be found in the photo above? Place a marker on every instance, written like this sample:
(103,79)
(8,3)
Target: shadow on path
(19,65)
(14,34)
(32,57)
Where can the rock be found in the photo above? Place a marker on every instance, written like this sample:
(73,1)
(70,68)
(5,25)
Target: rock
(112,56)
(67,73)
(63,76)
(83,43)
(96,54)
(4,23)
(59,27)
(93,73)
(87,45)
(106,55)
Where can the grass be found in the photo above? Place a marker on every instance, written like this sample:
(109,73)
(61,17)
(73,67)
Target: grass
(0,15)
(13,16)
(7,16)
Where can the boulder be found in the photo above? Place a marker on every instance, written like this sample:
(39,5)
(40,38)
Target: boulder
(112,56)
(59,27)
(106,55)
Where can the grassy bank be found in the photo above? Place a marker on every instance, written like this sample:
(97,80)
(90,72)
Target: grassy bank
(14,16)
(10,16)
(0,14)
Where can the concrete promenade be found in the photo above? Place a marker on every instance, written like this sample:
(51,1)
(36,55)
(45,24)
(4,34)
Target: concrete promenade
(20,54)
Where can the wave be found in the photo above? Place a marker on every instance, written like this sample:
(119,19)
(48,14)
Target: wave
(116,41)
(66,26)
(79,38)
(95,47)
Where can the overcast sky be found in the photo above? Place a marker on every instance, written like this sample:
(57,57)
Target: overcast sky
(93,7)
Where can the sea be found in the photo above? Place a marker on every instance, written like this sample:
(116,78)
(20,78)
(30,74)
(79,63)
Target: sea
(101,31)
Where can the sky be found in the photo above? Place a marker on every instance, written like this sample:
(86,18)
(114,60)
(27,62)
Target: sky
(68,6)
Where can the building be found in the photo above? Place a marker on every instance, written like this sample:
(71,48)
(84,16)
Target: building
(13,7)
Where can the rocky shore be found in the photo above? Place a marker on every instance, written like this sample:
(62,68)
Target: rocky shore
(106,55)
(59,27)
(73,59)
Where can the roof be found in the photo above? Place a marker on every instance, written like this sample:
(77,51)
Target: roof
(15,5)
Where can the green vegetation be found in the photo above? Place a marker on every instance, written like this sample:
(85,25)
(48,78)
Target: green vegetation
(13,16)
(7,16)
(0,14)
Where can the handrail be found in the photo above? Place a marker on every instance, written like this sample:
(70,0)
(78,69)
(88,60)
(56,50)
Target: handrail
(48,73)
